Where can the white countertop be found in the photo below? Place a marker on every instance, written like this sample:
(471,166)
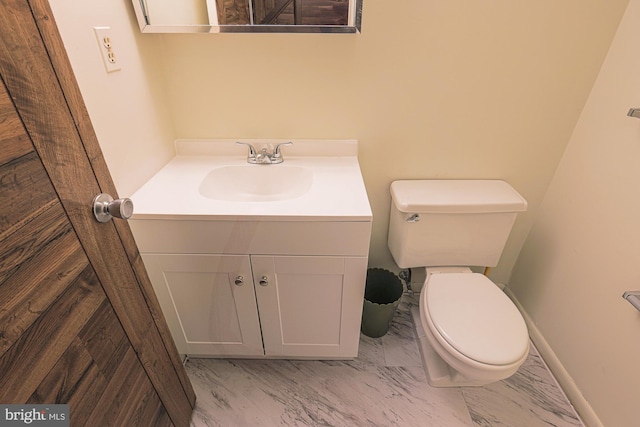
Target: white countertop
(337,191)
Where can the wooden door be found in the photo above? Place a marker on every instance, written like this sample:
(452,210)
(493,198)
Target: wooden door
(209,302)
(79,322)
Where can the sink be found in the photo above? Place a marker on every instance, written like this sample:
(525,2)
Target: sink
(255,183)
(319,181)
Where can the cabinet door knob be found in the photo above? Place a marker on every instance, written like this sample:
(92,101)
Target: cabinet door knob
(239,281)
(264,281)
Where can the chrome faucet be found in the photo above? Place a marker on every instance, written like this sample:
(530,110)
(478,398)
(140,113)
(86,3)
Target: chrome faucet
(263,157)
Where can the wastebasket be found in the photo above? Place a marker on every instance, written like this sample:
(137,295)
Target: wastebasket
(382,293)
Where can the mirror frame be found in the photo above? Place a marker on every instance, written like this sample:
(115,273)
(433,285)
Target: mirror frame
(146,27)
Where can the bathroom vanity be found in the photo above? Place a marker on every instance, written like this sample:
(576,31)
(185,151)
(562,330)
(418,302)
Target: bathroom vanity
(258,260)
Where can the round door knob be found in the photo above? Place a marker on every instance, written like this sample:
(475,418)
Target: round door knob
(239,281)
(105,208)
(264,281)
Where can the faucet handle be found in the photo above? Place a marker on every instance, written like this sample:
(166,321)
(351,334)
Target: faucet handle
(252,150)
(276,151)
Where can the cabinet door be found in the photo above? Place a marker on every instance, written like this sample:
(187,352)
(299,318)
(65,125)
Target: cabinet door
(207,312)
(310,306)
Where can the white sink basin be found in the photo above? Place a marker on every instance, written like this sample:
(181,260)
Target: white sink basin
(209,180)
(256,182)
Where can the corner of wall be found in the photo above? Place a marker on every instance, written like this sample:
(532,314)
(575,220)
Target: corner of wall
(565,381)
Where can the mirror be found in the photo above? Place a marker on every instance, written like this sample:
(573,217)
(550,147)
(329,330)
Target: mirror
(249,16)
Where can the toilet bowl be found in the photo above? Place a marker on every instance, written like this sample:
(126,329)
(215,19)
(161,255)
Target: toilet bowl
(470,331)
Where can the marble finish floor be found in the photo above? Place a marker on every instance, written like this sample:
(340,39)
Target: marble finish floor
(385,386)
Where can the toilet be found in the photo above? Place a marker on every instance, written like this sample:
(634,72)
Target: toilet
(470,332)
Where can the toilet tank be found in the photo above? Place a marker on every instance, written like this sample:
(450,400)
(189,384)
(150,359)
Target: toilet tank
(451,222)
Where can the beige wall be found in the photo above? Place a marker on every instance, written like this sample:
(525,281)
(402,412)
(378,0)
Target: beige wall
(435,89)
(584,249)
(128,108)
(451,89)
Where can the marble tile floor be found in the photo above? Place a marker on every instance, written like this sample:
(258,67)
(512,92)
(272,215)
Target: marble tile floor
(385,386)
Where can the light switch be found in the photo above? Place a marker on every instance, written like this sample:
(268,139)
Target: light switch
(105,43)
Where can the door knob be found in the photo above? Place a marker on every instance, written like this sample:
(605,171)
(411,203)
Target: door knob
(105,208)
(264,281)
(239,281)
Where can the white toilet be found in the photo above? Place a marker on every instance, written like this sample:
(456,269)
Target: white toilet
(471,333)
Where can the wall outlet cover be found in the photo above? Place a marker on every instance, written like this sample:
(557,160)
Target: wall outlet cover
(107,51)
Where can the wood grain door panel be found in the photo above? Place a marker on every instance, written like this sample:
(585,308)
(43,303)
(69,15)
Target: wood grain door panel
(64,73)
(60,340)
(79,323)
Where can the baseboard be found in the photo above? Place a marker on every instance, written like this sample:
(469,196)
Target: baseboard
(566,383)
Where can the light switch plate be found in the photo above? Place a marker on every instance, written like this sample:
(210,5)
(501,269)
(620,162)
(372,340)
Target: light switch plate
(107,50)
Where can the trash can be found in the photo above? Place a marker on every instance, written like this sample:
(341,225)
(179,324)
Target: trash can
(382,293)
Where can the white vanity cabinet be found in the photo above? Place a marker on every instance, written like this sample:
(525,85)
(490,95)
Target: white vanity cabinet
(308,304)
(208,301)
(290,306)
(258,260)
(295,302)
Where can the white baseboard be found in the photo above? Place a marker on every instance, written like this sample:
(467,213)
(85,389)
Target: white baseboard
(568,385)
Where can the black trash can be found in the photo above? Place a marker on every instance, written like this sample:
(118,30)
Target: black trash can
(382,294)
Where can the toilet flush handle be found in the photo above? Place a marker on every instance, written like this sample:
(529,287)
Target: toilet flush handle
(633,297)
(413,218)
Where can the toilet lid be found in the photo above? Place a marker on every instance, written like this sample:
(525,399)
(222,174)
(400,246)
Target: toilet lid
(476,318)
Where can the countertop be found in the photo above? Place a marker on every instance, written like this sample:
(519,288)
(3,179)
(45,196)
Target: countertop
(337,191)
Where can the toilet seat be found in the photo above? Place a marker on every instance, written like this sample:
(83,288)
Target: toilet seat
(476,318)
